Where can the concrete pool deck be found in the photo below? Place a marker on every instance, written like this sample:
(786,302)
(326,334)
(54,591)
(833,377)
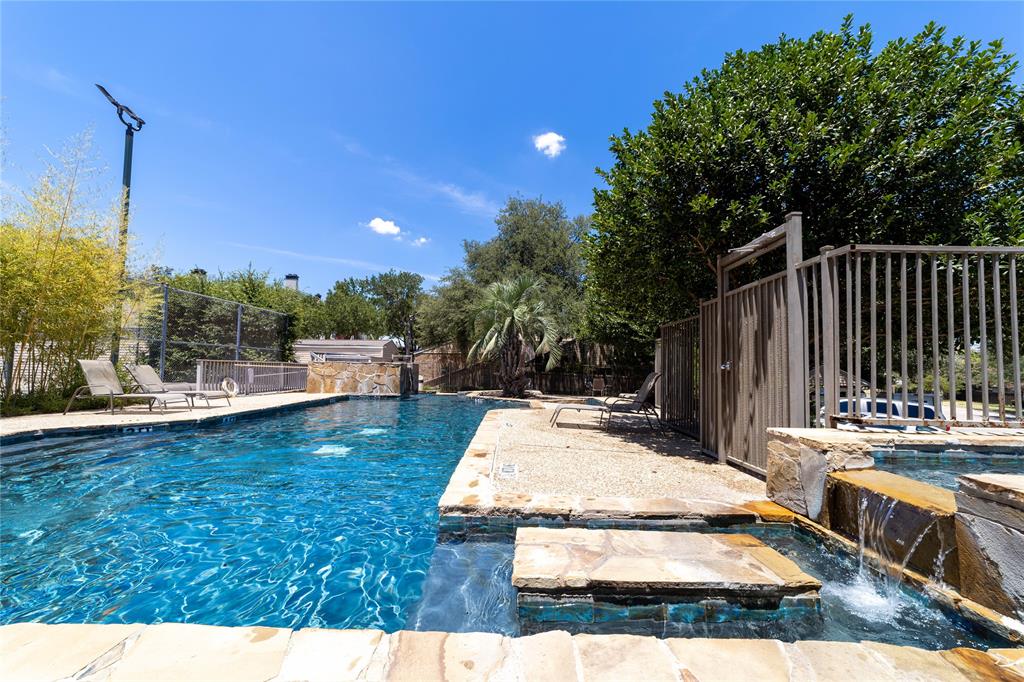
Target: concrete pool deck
(89,421)
(172,651)
(578,472)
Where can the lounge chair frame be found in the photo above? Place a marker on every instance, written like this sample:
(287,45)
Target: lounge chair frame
(146,378)
(102,382)
(638,404)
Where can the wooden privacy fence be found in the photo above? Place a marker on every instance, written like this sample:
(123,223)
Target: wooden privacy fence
(871,333)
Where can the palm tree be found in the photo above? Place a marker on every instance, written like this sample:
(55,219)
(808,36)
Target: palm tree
(514,325)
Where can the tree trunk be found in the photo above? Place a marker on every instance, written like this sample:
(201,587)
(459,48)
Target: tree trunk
(512,371)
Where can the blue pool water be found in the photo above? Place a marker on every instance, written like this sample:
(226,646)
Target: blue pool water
(942,468)
(318,517)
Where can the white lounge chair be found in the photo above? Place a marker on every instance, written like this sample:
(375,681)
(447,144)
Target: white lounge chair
(102,382)
(148,380)
(639,404)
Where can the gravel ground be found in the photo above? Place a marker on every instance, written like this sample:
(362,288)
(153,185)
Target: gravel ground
(577,457)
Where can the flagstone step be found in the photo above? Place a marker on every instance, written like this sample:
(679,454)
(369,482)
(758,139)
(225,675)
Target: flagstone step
(602,575)
(172,651)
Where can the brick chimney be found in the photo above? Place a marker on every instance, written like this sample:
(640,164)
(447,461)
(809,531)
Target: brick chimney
(291,281)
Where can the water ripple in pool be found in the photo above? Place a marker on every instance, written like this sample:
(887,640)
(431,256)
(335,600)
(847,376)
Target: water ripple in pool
(320,517)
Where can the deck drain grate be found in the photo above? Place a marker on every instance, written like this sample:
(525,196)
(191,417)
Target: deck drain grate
(508,471)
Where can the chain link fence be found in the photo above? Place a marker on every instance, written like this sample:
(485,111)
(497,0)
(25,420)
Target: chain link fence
(173,329)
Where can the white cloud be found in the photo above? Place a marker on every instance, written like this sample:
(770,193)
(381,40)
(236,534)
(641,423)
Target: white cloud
(419,241)
(381,226)
(550,144)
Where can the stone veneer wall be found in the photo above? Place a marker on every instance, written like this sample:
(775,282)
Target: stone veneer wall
(990,538)
(362,378)
(797,471)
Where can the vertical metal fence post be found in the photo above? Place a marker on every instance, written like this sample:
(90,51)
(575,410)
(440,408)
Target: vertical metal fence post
(796,340)
(723,285)
(238,333)
(163,335)
(828,337)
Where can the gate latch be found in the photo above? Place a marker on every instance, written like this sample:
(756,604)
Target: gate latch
(727,365)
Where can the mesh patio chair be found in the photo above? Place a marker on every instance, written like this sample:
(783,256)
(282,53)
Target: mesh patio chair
(102,382)
(640,404)
(147,379)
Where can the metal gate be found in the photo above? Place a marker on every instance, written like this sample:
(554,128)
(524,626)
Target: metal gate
(869,333)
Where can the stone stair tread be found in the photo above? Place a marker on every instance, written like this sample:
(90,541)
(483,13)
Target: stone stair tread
(576,560)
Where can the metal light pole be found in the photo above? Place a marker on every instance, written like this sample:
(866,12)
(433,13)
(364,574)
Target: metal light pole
(131,126)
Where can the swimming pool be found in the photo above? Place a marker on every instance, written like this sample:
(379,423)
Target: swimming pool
(942,468)
(324,517)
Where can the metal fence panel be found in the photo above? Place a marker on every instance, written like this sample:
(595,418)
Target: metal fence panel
(680,367)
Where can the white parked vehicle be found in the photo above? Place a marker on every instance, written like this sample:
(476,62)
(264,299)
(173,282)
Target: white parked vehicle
(862,408)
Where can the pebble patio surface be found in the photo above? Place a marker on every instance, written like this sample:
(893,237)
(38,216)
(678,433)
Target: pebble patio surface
(171,651)
(578,457)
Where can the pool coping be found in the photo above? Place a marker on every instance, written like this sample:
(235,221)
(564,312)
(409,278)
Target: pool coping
(994,438)
(471,499)
(191,651)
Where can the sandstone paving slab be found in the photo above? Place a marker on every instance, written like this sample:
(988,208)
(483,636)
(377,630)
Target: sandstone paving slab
(978,665)
(34,651)
(555,560)
(478,656)
(1005,488)
(322,655)
(546,656)
(916,665)
(449,657)
(175,651)
(196,652)
(1009,659)
(725,660)
(615,658)
(813,660)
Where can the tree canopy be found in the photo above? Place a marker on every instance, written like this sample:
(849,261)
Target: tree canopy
(919,142)
(396,296)
(535,238)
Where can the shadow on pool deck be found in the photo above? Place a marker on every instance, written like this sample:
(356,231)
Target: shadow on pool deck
(578,457)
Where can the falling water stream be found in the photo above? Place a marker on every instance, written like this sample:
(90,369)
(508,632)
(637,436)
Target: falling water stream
(876,590)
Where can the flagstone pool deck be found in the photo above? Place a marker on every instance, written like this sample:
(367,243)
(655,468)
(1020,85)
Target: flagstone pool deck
(171,651)
(578,472)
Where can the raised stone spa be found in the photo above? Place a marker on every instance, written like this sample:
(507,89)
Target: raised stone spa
(362,378)
(971,540)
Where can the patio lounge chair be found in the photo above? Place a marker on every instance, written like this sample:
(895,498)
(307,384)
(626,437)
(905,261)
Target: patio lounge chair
(636,405)
(102,382)
(148,380)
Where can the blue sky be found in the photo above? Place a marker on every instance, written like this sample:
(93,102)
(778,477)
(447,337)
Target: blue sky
(299,137)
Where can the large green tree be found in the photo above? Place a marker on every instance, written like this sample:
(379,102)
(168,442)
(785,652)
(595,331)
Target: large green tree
(397,296)
(348,311)
(921,141)
(535,238)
